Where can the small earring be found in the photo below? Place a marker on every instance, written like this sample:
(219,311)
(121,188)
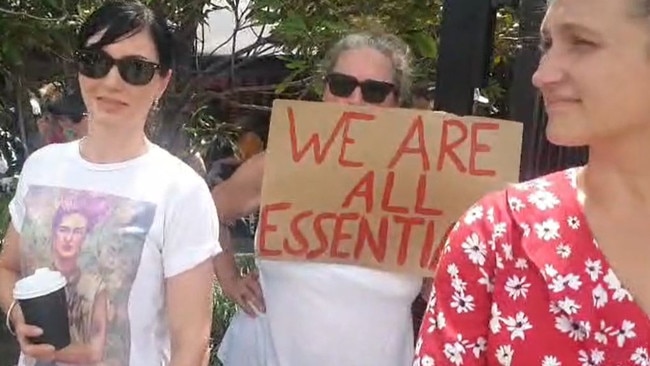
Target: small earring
(156,104)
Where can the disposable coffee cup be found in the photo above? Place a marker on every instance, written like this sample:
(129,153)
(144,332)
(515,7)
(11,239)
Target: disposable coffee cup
(43,302)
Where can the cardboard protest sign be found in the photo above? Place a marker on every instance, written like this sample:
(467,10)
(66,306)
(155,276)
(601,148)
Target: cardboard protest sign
(376,187)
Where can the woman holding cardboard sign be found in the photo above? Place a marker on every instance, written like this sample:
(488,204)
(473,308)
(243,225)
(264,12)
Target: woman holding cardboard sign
(324,314)
(555,271)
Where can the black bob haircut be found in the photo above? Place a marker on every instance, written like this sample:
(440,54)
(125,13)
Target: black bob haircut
(122,19)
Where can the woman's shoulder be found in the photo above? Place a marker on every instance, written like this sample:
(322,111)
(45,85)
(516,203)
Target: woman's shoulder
(556,182)
(173,170)
(543,198)
(517,210)
(522,200)
(48,156)
(53,151)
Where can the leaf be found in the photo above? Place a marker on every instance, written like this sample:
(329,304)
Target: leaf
(426,45)
(52,4)
(11,54)
(294,25)
(282,87)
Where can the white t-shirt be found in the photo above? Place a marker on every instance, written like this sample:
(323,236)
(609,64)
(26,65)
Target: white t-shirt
(326,314)
(116,231)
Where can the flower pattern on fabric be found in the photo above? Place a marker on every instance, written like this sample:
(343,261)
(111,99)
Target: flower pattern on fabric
(521,281)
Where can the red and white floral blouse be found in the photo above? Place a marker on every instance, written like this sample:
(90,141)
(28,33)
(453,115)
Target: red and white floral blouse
(521,281)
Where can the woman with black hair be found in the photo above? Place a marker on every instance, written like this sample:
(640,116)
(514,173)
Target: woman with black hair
(148,226)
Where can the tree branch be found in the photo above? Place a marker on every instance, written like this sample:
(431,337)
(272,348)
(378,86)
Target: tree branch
(260,88)
(255,107)
(219,66)
(233,47)
(261,51)
(29,16)
(230,38)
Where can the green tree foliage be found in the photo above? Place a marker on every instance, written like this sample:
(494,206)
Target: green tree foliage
(306,28)
(37,38)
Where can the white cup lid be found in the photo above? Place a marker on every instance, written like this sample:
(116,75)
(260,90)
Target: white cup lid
(44,281)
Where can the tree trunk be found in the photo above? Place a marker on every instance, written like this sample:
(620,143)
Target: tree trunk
(167,126)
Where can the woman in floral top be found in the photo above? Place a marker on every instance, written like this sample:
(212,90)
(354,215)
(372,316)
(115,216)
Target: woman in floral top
(555,271)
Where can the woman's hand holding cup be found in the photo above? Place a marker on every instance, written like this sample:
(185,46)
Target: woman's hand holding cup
(77,353)
(39,352)
(40,314)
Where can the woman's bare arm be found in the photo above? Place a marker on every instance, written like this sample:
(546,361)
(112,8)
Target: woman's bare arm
(240,195)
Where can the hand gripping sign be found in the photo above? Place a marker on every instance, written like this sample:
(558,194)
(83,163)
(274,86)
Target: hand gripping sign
(376,187)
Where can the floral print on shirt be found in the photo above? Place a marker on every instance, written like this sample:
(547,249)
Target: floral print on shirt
(521,281)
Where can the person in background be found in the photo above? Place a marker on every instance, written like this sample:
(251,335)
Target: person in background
(315,313)
(48,130)
(554,271)
(224,158)
(253,126)
(221,161)
(64,116)
(253,135)
(141,222)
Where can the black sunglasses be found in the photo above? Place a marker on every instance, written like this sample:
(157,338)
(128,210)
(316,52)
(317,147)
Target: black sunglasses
(372,91)
(96,64)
